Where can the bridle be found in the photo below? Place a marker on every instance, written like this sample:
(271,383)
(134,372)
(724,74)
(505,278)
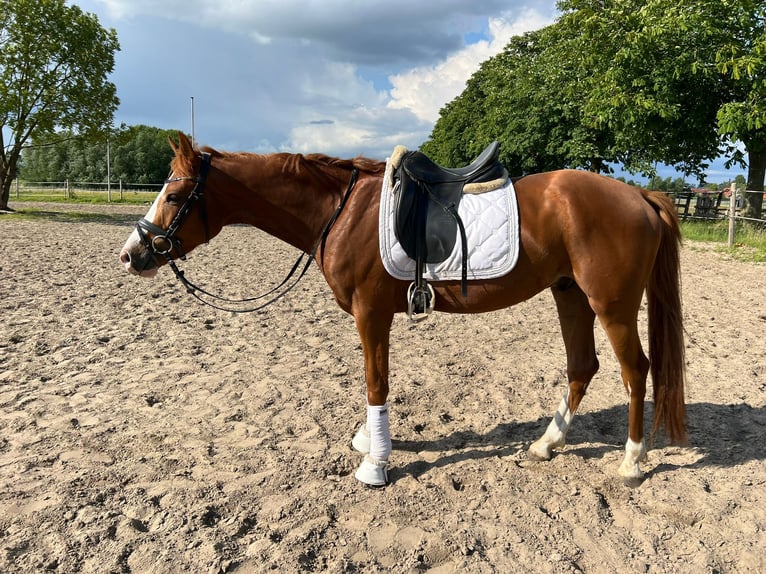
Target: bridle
(164,241)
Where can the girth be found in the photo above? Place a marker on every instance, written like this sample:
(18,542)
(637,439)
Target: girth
(426,219)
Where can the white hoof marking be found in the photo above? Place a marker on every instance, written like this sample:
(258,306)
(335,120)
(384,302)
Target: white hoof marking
(556,433)
(635,452)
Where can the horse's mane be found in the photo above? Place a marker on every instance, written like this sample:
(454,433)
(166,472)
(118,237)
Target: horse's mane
(363,164)
(183,164)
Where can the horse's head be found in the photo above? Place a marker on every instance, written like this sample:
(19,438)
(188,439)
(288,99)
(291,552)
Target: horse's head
(177,221)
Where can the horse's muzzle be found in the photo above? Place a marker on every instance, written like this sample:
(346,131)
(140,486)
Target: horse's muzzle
(138,262)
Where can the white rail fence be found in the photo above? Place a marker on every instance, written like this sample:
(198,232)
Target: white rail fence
(115,191)
(715,205)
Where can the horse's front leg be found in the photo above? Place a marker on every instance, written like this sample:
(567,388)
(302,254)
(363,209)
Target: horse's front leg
(374,437)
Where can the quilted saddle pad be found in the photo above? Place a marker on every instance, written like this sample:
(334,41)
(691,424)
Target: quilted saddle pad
(491,222)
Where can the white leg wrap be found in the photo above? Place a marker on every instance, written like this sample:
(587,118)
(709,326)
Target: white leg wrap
(374,439)
(380,433)
(635,452)
(556,433)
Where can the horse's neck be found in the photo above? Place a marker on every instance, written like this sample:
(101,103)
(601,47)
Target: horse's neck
(274,198)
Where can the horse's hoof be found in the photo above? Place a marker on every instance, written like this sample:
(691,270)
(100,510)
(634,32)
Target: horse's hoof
(533,456)
(372,472)
(633,481)
(361,440)
(539,452)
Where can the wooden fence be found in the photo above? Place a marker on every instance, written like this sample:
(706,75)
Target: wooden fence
(716,205)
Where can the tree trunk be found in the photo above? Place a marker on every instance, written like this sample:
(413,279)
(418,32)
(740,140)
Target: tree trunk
(9,162)
(5,189)
(5,184)
(755,175)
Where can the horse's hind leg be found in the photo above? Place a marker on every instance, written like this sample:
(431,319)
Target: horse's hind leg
(577,319)
(622,330)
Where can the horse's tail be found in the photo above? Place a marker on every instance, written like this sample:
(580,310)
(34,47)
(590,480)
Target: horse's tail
(666,340)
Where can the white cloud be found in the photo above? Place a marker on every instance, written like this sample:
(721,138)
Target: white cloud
(372,132)
(295,76)
(426,89)
(406,114)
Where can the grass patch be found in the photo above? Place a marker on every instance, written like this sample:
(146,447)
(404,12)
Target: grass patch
(749,238)
(69,216)
(85,197)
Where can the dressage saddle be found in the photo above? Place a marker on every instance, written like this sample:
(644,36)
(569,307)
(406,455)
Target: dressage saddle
(426,220)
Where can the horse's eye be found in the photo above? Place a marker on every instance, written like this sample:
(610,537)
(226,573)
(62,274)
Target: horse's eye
(173,199)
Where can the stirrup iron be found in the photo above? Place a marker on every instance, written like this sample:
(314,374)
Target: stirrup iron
(421,300)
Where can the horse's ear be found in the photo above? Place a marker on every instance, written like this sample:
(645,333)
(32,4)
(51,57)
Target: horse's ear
(173,145)
(185,145)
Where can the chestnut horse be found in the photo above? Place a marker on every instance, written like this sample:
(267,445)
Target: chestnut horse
(596,243)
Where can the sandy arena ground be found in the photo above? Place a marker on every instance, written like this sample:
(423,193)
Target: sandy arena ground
(143,432)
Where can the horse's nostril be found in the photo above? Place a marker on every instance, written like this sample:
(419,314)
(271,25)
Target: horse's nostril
(124,257)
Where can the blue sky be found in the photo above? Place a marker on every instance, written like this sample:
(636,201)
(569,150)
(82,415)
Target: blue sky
(340,77)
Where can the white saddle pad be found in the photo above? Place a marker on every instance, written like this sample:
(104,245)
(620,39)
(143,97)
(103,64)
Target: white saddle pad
(491,222)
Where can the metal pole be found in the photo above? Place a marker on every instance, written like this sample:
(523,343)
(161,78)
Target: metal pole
(732,212)
(108,172)
(192,120)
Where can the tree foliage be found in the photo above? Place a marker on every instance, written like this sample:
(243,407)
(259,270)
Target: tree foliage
(638,82)
(138,154)
(741,58)
(54,63)
(648,91)
(685,80)
(528,97)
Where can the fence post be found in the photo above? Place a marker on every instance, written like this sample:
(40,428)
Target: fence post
(120,189)
(66,190)
(17,188)
(732,212)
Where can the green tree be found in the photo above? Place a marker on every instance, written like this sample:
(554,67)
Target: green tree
(54,63)
(679,82)
(141,154)
(643,86)
(528,97)
(638,82)
(741,58)
(138,154)
(657,183)
(677,185)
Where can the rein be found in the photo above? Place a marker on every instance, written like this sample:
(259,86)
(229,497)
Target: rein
(170,242)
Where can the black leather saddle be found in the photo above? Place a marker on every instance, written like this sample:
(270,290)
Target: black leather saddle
(426,220)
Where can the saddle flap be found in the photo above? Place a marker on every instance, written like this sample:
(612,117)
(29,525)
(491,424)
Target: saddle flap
(426,225)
